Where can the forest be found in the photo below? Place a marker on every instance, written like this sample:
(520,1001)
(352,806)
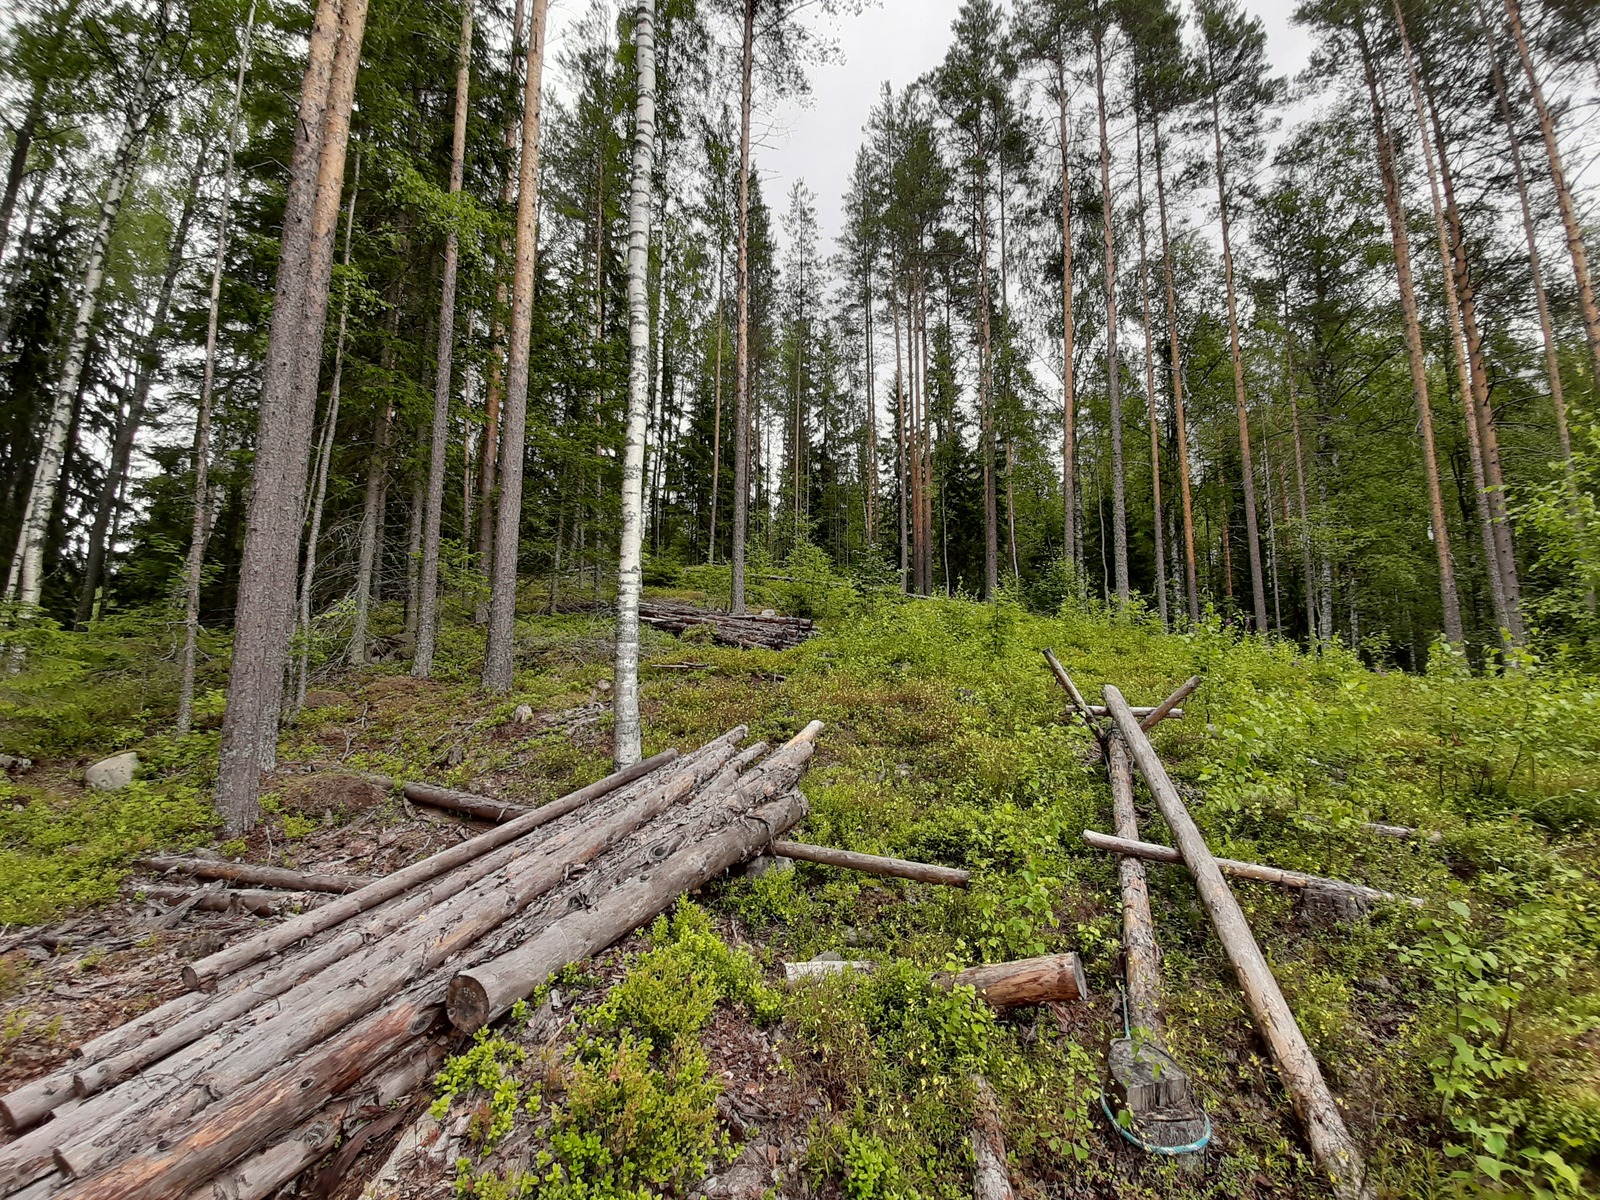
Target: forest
(390,387)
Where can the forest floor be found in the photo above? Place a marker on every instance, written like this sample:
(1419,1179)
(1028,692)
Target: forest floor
(1463,1040)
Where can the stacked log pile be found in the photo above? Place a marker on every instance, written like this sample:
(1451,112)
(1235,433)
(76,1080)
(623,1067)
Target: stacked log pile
(749,631)
(285,1039)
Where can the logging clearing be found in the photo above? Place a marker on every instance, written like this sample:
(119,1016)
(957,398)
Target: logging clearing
(923,889)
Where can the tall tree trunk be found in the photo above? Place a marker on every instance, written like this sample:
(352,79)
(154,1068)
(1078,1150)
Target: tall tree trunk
(1192,590)
(630,573)
(1552,360)
(498,663)
(1069,416)
(489,449)
(265,606)
(1569,214)
(1247,464)
(716,415)
(1507,619)
(1150,377)
(741,404)
(902,447)
(26,579)
(1299,471)
(1449,599)
(330,427)
(991,532)
(199,527)
(127,431)
(428,581)
(17,168)
(369,556)
(1119,498)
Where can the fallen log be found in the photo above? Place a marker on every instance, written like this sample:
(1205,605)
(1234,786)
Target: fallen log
(261,902)
(485,992)
(1401,832)
(1043,980)
(991,1178)
(468,804)
(1260,872)
(1331,1144)
(873,864)
(257,873)
(1139,710)
(280,937)
(1142,957)
(1072,691)
(1169,706)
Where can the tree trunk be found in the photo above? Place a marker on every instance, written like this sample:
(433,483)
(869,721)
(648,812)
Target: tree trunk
(1299,474)
(428,580)
(148,359)
(370,552)
(1247,465)
(498,661)
(1150,380)
(630,573)
(741,405)
(1569,215)
(902,448)
(1119,499)
(330,427)
(265,606)
(1069,418)
(26,581)
(1192,590)
(991,531)
(1448,597)
(21,144)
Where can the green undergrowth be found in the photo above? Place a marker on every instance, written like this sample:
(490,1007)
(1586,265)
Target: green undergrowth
(1460,1036)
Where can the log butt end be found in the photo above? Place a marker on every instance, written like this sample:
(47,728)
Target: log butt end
(467,1003)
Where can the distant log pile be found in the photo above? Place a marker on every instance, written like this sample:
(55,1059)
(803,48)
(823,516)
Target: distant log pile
(289,1038)
(765,630)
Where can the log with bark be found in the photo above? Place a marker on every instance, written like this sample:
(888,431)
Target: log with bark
(1048,979)
(234,1091)
(873,864)
(1260,872)
(1335,1151)
(747,630)
(256,873)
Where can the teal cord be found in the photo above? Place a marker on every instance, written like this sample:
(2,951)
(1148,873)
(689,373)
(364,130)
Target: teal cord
(1193,1147)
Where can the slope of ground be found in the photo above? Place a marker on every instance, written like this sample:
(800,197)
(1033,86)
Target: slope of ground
(1462,1039)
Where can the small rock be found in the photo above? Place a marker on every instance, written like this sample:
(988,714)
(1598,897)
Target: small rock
(769,612)
(10,762)
(523,715)
(828,956)
(112,773)
(603,686)
(761,864)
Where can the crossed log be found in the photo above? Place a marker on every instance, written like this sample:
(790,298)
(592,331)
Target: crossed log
(235,1086)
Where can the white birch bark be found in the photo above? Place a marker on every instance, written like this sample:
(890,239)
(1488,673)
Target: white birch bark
(630,574)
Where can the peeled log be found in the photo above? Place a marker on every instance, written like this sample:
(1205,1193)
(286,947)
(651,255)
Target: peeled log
(1050,977)
(873,864)
(280,937)
(258,901)
(1331,1144)
(1169,706)
(991,1179)
(264,876)
(1259,872)
(485,992)
(1141,954)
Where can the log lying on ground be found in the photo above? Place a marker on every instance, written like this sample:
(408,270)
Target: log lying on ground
(468,804)
(1401,831)
(483,993)
(256,873)
(1142,957)
(1259,872)
(873,864)
(991,1179)
(1169,706)
(1072,691)
(1139,710)
(284,1038)
(747,630)
(259,901)
(1048,979)
(1331,1144)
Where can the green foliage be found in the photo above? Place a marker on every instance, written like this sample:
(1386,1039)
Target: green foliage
(485,1066)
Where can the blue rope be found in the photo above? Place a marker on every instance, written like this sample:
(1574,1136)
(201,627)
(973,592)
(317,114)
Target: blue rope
(1193,1147)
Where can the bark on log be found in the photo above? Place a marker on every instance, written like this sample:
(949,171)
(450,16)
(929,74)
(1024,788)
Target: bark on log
(1072,691)
(1141,955)
(1401,832)
(257,873)
(1260,872)
(468,804)
(1139,710)
(991,1178)
(357,985)
(484,992)
(873,864)
(258,901)
(1331,1144)
(270,941)
(1169,706)
(1042,980)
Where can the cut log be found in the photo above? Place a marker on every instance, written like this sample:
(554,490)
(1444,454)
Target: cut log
(818,968)
(1139,710)
(260,902)
(1259,872)
(1169,706)
(1072,691)
(483,993)
(1142,957)
(1331,1144)
(280,937)
(257,873)
(1043,980)
(468,804)
(873,864)
(991,1178)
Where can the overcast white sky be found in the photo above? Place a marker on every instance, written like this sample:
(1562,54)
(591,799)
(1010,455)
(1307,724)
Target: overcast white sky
(894,41)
